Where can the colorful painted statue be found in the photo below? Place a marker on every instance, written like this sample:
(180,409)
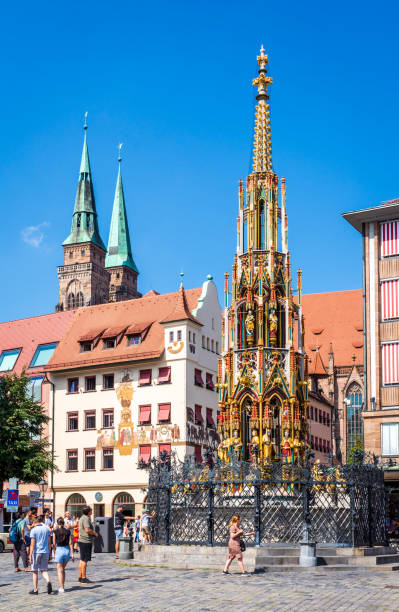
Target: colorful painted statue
(223,448)
(267,445)
(297,446)
(273,324)
(250,327)
(254,443)
(286,447)
(236,445)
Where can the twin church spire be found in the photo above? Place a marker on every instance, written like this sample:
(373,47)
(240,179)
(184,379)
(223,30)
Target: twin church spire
(92,273)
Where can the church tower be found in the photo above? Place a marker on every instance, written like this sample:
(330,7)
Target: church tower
(263,391)
(83,279)
(119,260)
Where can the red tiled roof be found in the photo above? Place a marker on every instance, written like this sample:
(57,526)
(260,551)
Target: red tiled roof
(129,313)
(180,310)
(28,333)
(333,318)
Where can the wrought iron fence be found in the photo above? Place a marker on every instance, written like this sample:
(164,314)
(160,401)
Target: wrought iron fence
(195,503)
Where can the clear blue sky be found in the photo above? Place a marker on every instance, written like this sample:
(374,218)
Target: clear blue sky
(172,81)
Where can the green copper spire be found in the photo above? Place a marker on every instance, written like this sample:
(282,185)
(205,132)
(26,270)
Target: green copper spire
(119,249)
(84,220)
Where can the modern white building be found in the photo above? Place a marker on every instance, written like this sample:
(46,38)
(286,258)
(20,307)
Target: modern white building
(133,379)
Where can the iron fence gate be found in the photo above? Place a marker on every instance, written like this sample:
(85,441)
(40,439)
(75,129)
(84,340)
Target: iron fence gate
(195,503)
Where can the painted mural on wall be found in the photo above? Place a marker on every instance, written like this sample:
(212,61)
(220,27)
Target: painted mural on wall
(124,393)
(105,439)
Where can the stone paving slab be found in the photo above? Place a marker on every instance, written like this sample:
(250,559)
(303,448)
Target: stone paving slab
(144,589)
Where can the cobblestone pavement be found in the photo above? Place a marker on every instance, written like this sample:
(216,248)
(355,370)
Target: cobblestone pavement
(144,589)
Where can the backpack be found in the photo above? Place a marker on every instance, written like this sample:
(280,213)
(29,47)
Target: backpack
(15,532)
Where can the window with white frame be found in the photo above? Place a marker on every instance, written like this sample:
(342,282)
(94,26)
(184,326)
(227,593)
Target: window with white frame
(390,439)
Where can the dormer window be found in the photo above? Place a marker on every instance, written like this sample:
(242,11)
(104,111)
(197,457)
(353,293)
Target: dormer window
(134,339)
(171,336)
(86,347)
(179,334)
(109,343)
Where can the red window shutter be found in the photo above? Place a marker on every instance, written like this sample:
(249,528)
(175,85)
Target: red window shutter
(389,238)
(145,452)
(209,382)
(163,412)
(209,418)
(164,447)
(145,414)
(145,377)
(198,414)
(198,453)
(390,363)
(164,375)
(198,378)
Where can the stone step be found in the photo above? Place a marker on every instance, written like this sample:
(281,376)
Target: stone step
(375,551)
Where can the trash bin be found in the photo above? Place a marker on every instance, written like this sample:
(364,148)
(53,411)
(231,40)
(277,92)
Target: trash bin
(104,526)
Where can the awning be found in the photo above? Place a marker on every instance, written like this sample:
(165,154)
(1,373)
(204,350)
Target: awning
(90,335)
(197,453)
(145,452)
(164,412)
(164,375)
(145,377)
(198,378)
(113,332)
(209,418)
(145,414)
(198,414)
(209,382)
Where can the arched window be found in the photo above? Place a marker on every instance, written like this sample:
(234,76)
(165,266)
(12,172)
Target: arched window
(127,501)
(71,301)
(281,321)
(79,300)
(245,235)
(75,503)
(261,226)
(88,220)
(354,422)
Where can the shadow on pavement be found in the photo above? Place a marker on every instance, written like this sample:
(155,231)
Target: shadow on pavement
(82,588)
(117,579)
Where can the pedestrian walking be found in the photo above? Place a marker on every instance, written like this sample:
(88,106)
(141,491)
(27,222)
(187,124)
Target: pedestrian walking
(63,546)
(145,526)
(119,520)
(39,553)
(138,527)
(28,526)
(236,545)
(86,536)
(16,536)
(68,521)
(76,534)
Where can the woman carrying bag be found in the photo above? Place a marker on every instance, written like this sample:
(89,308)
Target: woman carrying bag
(236,545)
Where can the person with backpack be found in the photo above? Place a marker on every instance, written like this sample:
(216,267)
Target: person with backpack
(16,536)
(63,546)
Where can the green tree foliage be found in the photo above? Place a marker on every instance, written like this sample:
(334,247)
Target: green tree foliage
(23,453)
(356,453)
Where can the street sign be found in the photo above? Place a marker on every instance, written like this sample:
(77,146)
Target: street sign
(33,495)
(13,483)
(43,500)
(12,500)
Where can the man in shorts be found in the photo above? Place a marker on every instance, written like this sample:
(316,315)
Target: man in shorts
(85,541)
(119,520)
(39,553)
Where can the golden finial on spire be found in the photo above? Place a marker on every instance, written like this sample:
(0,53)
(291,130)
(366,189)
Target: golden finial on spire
(262,158)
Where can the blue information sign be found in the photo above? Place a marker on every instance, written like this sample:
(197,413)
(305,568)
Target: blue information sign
(12,499)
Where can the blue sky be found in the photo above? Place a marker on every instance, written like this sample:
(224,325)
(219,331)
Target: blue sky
(172,81)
